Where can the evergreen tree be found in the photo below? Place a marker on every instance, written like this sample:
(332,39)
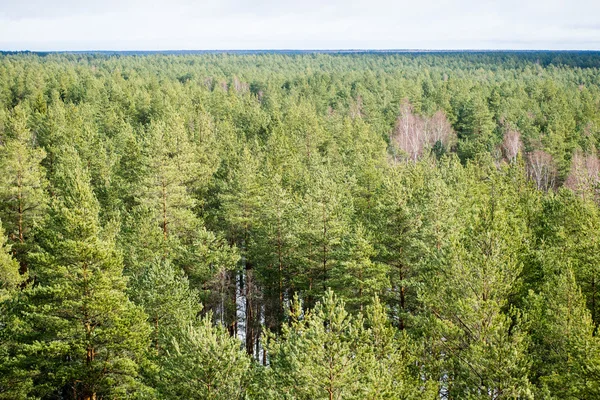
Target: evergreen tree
(483,346)
(204,362)
(566,230)
(167,299)
(15,382)
(274,245)
(565,352)
(9,269)
(475,129)
(327,207)
(390,367)
(22,184)
(326,353)
(315,356)
(79,331)
(170,170)
(359,279)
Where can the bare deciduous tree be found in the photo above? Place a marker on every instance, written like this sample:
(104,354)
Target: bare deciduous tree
(511,145)
(440,130)
(408,134)
(584,174)
(541,169)
(356,108)
(239,86)
(414,134)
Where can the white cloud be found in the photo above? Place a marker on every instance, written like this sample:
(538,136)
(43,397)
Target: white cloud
(308,24)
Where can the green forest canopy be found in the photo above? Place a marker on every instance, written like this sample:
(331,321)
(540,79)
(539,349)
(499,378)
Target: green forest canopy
(300,225)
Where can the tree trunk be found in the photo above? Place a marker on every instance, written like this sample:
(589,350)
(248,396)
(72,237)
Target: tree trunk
(402,298)
(249,312)
(324,248)
(594,302)
(164,207)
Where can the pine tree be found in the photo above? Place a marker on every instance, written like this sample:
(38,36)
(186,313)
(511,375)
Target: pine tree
(22,184)
(141,241)
(15,382)
(566,231)
(327,353)
(274,244)
(565,352)
(83,337)
(240,200)
(9,269)
(204,362)
(165,295)
(315,356)
(358,279)
(327,207)
(170,170)
(481,338)
(390,367)
(402,233)
(475,128)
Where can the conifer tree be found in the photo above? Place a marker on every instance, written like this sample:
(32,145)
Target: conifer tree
(204,362)
(165,295)
(566,231)
(83,337)
(170,170)
(475,128)
(327,353)
(15,382)
(241,196)
(141,241)
(565,352)
(9,269)
(240,200)
(389,364)
(358,279)
(315,356)
(274,246)
(483,345)
(402,233)
(327,208)
(22,183)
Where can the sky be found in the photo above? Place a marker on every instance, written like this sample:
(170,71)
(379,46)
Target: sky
(47,25)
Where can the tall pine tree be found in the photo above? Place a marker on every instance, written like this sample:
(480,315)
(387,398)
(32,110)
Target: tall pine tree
(80,332)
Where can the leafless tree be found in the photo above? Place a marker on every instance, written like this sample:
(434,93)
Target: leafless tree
(209,83)
(409,135)
(541,169)
(511,145)
(239,86)
(440,130)
(356,108)
(414,134)
(584,174)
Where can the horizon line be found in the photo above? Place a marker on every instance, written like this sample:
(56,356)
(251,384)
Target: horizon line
(325,50)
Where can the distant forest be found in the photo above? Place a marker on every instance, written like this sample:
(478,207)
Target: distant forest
(298,225)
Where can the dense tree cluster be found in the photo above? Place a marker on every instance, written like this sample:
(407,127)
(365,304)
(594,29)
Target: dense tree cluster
(300,226)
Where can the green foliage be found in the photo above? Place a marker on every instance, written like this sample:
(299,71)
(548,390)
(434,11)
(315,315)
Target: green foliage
(329,354)
(22,182)
(204,362)
(9,269)
(14,382)
(139,193)
(565,350)
(75,324)
(468,293)
(165,295)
